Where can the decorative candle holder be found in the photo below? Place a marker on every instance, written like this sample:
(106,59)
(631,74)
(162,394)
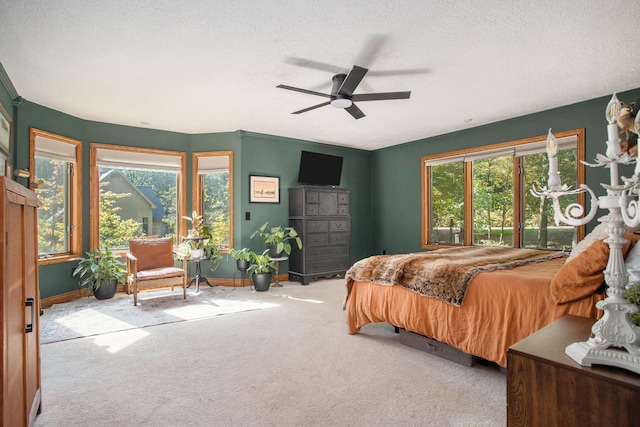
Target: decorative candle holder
(615,340)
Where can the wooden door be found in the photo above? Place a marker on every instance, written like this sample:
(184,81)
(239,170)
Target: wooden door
(21,381)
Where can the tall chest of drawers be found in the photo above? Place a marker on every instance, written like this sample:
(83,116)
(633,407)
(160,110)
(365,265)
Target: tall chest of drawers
(321,216)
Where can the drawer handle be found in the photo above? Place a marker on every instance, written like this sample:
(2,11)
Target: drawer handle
(31,302)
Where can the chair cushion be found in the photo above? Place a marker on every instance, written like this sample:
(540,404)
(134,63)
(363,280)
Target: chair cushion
(152,253)
(160,273)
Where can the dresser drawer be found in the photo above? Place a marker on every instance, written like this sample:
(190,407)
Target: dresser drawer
(343,210)
(317,226)
(312,210)
(312,197)
(316,239)
(338,225)
(325,251)
(327,264)
(343,199)
(339,239)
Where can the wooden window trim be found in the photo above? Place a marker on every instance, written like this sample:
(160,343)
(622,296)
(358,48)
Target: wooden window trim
(75,216)
(517,198)
(94,180)
(197,183)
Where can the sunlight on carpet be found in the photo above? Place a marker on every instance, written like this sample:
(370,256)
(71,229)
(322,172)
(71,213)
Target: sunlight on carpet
(88,316)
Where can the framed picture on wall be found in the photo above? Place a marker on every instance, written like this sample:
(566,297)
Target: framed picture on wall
(5,131)
(264,189)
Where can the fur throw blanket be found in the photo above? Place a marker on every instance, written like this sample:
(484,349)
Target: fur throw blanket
(444,273)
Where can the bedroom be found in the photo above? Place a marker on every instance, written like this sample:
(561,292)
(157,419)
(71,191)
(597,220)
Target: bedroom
(391,173)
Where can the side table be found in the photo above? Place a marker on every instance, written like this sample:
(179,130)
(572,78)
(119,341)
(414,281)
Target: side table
(545,387)
(198,276)
(277,284)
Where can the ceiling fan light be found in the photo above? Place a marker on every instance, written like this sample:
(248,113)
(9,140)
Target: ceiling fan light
(341,103)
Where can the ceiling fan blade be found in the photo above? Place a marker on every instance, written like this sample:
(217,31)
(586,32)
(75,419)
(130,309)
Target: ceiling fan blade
(381,96)
(310,92)
(311,108)
(352,81)
(317,65)
(355,111)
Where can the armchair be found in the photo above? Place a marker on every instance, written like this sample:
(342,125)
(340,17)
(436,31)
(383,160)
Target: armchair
(150,264)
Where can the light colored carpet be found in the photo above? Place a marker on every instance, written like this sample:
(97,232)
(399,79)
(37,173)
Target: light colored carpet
(289,364)
(89,316)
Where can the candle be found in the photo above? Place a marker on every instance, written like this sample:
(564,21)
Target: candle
(613,142)
(552,154)
(613,110)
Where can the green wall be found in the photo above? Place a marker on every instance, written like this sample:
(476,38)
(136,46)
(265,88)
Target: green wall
(254,153)
(385,184)
(395,171)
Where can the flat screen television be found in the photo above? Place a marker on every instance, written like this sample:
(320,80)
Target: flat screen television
(319,169)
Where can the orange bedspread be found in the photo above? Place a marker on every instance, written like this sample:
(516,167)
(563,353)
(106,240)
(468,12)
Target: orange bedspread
(500,308)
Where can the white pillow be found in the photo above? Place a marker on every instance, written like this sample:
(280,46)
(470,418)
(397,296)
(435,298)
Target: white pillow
(632,262)
(598,233)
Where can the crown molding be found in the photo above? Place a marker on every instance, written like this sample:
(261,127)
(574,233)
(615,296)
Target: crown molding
(6,82)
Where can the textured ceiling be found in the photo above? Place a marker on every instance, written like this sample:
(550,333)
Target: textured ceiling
(200,66)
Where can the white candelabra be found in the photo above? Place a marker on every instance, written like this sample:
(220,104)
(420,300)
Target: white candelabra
(615,340)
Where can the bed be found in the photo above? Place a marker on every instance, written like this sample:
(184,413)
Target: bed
(501,303)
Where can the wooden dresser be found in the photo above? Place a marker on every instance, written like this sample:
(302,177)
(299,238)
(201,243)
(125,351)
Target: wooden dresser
(19,317)
(545,387)
(321,216)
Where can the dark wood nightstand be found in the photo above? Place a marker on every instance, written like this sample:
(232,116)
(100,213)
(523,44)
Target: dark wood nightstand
(545,387)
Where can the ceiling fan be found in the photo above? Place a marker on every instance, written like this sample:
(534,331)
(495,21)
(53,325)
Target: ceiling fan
(342,93)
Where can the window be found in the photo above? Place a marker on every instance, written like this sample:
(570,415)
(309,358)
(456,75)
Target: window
(213,193)
(483,196)
(56,172)
(135,192)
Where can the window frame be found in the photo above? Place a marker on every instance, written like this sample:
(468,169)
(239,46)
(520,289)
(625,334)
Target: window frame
(74,200)
(518,184)
(197,183)
(94,183)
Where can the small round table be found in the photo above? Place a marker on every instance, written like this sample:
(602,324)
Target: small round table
(198,276)
(277,284)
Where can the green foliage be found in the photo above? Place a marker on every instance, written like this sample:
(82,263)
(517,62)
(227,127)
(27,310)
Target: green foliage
(52,213)
(114,232)
(216,206)
(493,194)
(261,264)
(183,251)
(212,251)
(243,254)
(98,266)
(447,198)
(196,221)
(493,187)
(633,295)
(278,236)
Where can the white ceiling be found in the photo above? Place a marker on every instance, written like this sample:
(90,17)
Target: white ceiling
(200,66)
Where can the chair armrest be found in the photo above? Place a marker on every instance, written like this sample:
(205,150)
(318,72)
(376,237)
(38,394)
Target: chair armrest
(132,264)
(183,258)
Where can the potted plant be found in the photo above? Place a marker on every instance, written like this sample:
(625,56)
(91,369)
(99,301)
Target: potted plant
(278,238)
(632,294)
(196,223)
(260,270)
(211,251)
(242,256)
(100,272)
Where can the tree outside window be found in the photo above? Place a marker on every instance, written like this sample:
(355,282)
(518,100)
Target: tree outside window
(495,202)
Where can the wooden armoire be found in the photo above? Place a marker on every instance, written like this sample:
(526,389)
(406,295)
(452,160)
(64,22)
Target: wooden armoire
(20,396)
